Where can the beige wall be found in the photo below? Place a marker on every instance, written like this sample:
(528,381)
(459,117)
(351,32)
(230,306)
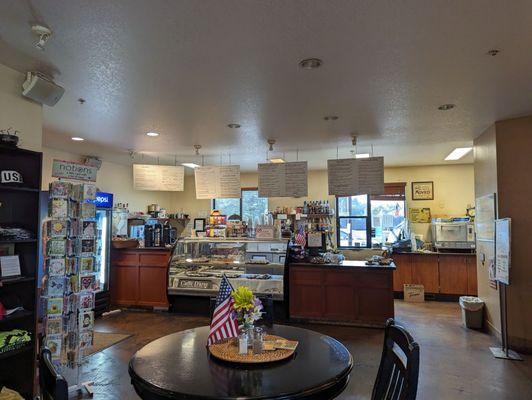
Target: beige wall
(514,184)
(453,191)
(18,112)
(114,178)
(486,183)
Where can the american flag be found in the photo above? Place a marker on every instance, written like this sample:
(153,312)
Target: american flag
(224,324)
(300,237)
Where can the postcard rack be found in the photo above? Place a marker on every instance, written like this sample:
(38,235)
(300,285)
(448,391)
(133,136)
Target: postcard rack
(69,235)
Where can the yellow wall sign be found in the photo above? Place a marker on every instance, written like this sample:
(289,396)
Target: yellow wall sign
(419,215)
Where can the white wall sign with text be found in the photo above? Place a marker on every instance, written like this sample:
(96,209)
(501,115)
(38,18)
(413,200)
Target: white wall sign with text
(502,250)
(217,182)
(168,178)
(73,170)
(354,176)
(283,180)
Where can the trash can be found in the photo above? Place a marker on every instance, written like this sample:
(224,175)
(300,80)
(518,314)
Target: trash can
(472,310)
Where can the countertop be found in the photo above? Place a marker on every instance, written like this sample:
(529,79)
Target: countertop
(169,249)
(347,264)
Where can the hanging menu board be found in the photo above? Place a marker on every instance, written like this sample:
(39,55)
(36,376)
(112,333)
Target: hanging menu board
(159,177)
(283,179)
(217,182)
(353,176)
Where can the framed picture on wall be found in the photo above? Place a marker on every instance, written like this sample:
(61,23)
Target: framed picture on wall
(423,190)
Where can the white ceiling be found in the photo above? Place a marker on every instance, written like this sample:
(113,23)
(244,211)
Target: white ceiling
(188,68)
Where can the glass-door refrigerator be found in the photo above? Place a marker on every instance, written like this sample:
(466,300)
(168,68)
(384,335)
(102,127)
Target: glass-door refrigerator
(104,207)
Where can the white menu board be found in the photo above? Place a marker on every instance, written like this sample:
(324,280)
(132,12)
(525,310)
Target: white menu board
(353,176)
(159,177)
(220,182)
(283,179)
(502,250)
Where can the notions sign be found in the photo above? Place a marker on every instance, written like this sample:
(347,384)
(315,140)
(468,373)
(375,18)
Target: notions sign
(73,170)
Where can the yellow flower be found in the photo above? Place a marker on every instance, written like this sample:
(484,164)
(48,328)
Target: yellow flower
(243,298)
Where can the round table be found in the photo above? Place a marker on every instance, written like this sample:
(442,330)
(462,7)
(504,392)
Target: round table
(179,366)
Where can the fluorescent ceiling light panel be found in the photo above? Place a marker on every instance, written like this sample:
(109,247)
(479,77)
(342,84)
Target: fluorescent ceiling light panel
(276,160)
(362,155)
(190,165)
(78,139)
(458,153)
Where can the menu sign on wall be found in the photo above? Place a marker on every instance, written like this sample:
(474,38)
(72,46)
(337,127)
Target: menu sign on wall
(159,177)
(283,179)
(353,176)
(220,182)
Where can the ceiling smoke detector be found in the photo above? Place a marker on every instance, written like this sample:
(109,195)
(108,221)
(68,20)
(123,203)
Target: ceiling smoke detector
(234,126)
(330,117)
(43,32)
(310,63)
(446,107)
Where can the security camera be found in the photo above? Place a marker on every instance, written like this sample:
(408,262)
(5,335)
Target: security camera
(44,33)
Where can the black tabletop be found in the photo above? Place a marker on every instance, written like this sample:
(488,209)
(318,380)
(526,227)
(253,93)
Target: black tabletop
(179,366)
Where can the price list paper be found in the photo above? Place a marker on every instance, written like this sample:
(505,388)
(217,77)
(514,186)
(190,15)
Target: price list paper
(352,176)
(159,177)
(221,182)
(283,180)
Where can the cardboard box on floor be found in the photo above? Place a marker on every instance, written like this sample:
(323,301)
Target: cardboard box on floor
(414,293)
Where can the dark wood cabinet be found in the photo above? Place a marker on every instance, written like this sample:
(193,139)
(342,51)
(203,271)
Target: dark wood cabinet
(358,296)
(403,271)
(452,274)
(139,277)
(425,272)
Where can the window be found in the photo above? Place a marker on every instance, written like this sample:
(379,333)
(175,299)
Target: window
(371,221)
(249,206)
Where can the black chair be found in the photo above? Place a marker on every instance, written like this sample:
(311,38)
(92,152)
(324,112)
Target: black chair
(53,385)
(399,368)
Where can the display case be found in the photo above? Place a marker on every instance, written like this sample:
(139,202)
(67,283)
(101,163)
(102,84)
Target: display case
(197,265)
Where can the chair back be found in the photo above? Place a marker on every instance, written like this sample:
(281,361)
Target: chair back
(53,385)
(397,378)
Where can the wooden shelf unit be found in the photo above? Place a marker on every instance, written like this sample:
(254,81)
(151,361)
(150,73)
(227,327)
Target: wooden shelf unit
(19,206)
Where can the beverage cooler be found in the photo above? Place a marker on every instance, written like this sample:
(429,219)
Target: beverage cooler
(104,207)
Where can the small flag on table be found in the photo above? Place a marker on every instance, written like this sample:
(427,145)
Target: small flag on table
(224,324)
(300,237)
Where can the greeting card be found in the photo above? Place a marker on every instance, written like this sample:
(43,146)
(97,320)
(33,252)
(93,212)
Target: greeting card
(88,246)
(87,265)
(56,247)
(58,208)
(89,229)
(88,211)
(59,189)
(86,320)
(54,343)
(87,282)
(54,326)
(55,306)
(56,266)
(86,300)
(56,286)
(85,339)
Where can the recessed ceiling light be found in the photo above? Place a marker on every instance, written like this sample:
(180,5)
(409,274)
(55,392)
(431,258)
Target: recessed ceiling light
(362,155)
(330,117)
(310,63)
(190,165)
(493,52)
(276,160)
(458,153)
(77,139)
(445,107)
(152,134)
(234,126)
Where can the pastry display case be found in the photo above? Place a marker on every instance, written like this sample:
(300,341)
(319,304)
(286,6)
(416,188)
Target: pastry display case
(198,264)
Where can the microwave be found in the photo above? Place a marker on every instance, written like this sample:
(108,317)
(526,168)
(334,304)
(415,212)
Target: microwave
(453,234)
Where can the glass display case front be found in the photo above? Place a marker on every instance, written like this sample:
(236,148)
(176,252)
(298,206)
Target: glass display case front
(197,265)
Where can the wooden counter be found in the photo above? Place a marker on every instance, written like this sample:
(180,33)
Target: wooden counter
(440,273)
(347,293)
(139,277)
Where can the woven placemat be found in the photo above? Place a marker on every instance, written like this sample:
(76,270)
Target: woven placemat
(228,351)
